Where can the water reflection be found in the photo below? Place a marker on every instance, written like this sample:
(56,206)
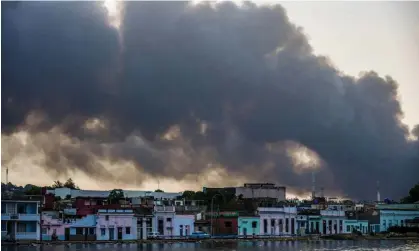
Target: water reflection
(233,246)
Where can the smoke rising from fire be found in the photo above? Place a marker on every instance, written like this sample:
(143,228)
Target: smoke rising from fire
(196,87)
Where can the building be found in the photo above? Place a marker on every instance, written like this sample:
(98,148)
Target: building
(20,220)
(83,229)
(223,223)
(253,191)
(349,226)
(119,224)
(248,226)
(396,214)
(145,219)
(332,221)
(183,225)
(163,220)
(277,220)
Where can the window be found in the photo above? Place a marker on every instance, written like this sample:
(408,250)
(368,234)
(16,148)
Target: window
(265,226)
(254,224)
(384,222)
(348,229)
(107,217)
(169,219)
(272,222)
(91,231)
(128,230)
(44,230)
(286,225)
(21,227)
(227,224)
(102,231)
(3,225)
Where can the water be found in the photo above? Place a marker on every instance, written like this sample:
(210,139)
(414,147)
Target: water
(386,245)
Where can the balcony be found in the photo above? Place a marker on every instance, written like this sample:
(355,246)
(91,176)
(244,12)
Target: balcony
(20,217)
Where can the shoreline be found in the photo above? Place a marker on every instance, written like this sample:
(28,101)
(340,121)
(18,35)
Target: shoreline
(215,240)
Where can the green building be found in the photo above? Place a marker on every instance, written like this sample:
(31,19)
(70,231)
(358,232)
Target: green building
(248,226)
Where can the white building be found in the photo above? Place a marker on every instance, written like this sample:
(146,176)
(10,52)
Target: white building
(277,220)
(261,190)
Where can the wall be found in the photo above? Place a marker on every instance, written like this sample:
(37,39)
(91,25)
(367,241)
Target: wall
(224,226)
(115,223)
(277,192)
(167,218)
(183,225)
(273,220)
(248,226)
(359,225)
(395,217)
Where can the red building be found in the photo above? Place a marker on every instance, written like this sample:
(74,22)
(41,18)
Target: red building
(224,223)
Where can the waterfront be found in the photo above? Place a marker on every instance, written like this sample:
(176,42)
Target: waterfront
(388,245)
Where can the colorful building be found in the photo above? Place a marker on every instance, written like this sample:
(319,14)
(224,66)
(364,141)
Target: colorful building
(349,226)
(116,224)
(183,225)
(396,214)
(277,220)
(163,220)
(20,220)
(223,223)
(248,226)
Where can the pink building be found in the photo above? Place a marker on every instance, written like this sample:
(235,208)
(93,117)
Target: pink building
(116,224)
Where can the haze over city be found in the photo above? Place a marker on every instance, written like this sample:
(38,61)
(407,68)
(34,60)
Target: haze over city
(132,94)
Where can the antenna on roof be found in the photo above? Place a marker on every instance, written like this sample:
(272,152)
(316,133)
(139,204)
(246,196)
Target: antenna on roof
(378,191)
(313,189)
(7,175)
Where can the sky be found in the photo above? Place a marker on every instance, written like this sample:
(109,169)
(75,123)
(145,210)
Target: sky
(356,36)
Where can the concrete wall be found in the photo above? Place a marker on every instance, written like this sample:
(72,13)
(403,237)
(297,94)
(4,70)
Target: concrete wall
(183,225)
(395,218)
(248,226)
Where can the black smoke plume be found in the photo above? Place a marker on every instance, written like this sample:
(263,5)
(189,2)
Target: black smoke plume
(189,87)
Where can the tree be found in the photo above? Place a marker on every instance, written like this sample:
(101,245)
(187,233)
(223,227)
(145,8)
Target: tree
(70,184)
(57,184)
(413,195)
(159,191)
(189,195)
(115,196)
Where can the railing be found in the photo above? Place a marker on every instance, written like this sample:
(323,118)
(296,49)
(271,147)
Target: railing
(23,217)
(164,208)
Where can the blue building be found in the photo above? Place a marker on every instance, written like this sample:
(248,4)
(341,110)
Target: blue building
(20,220)
(396,214)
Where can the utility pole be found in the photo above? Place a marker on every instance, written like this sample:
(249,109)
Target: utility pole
(7,175)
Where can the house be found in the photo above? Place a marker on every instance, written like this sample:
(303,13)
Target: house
(163,220)
(223,223)
(248,226)
(183,225)
(145,219)
(253,191)
(358,225)
(82,229)
(396,214)
(20,219)
(116,224)
(277,220)
(332,221)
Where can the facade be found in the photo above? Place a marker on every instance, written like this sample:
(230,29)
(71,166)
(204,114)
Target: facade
(396,214)
(20,220)
(277,220)
(248,226)
(163,220)
(183,225)
(145,221)
(358,225)
(332,221)
(119,224)
(223,223)
(83,229)
(261,190)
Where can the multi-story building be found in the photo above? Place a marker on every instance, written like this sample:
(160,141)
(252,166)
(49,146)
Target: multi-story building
(163,220)
(254,191)
(183,225)
(20,220)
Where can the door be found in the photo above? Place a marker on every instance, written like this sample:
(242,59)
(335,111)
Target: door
(119,233)
(245,231)
(67,234)
(111,234)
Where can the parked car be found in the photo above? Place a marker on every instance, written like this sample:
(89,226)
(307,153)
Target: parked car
(199,235)
(154,235)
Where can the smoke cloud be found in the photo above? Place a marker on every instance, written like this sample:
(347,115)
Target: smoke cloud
(179,90)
